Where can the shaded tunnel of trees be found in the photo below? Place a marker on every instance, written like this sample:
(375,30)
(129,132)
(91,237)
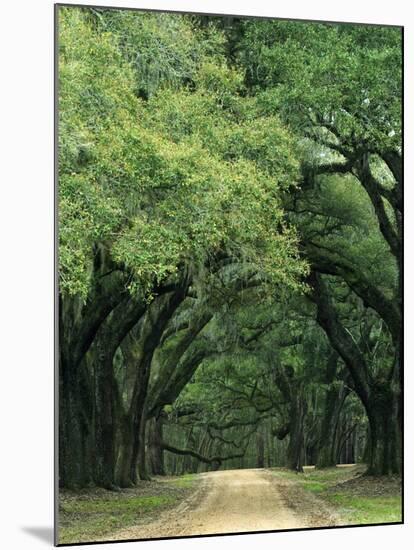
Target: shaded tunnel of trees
(230,245)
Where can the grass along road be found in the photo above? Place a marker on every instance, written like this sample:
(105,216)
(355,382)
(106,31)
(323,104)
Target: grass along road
(92,514)
(352,498)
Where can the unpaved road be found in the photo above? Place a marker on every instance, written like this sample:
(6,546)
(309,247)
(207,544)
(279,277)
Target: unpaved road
(230,501)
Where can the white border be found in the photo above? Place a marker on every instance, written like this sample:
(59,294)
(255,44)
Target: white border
(26,286)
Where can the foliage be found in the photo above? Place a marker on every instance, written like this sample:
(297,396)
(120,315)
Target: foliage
(317,73)
(157,195)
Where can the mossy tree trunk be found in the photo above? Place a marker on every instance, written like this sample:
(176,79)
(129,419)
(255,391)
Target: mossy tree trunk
(295,450)
(156,452)
(380,396)
(111,334)
(335,399)
(385,430)
(142,453)
(70,432)
(157,317)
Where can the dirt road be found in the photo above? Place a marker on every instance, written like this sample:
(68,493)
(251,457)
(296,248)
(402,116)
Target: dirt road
(230,501)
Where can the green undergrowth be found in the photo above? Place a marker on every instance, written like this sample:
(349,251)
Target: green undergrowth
(93,514)
(185,481)
(359,510)
(357,499)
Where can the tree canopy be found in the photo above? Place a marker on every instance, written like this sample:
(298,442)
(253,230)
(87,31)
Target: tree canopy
(230,244)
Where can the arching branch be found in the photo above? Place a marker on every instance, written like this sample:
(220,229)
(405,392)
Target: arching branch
(208,460)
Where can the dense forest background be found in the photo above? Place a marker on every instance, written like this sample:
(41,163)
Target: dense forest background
(230,245)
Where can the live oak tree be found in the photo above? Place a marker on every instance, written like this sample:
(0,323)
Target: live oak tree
(341,92)
(145,209)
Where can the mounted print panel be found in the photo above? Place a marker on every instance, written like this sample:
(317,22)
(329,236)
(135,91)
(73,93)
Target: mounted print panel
(229,274)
